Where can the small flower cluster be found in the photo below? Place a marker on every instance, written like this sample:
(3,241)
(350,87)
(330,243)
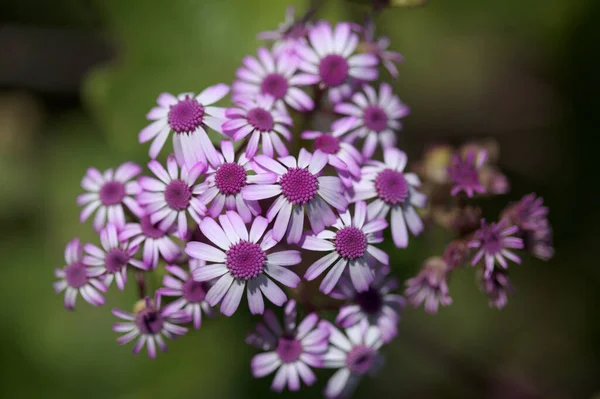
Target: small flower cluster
(242,217)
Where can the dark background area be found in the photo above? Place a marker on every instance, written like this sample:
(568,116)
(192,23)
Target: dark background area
(77,77)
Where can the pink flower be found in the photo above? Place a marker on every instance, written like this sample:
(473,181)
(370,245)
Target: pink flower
(241,259)
(465,173)
(299,187)
(430,286)
(494,241)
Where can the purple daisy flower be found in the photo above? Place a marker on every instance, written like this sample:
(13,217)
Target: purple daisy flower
(354,353)
(264,120)
(156,242)
(299,186)
(332,58)
(497,287)
(464,172)
(493,241)
(107,192)
(392,190)
(378,306)
(112,259)
(191,294)
(150,323)
(275,77)
(379,48)
(289,35)
(170,199)
(430,286)
(239,260)
(75,278)
(224,182)
(187,116)
(374,118)
(341,155)
(350,246)
(291,349)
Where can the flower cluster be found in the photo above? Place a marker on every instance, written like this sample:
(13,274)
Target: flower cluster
(263,214)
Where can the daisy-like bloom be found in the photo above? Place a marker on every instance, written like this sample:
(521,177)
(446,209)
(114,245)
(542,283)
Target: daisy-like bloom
(464,173)
(191,294)
(379,48)
(429,286)
(372,117)
(149,323)
(332,58)
(107,192)
(112,259)
(289,35)
(497,287)
(392,190)
(187,116)
(539,242)
(341,155)
(275,77)
(263,120)
(350,246)
(299,186)
(291,349)
(223,184)
(378,306)
(354,353)
(74,278)
(170,199)
(241,259)
(156,242)
(493,242)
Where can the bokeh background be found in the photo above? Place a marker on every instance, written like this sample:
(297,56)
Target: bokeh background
(77,77)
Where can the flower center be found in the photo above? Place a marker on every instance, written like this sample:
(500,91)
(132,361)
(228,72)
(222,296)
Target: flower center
(375,118)
(149,321)
(194,291)
(230,178)
(289,349)
(491,241)
(275,85)
(112,193)
(463,173)
(261,119)
(299,185)
(350,243)
(150,230)
(245,260)
(360,359)
(115,259)
(333,70)
(186,116)
(391,186)
(178,195)
(370,301)
(327,143)
(76,275)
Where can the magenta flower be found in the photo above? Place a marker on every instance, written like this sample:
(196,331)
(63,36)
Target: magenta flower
(497,287)
(112,259)
(378,306)
(188,117)
(170,199)
(493,241)
(275,77)
(350,246)
(291,349)
(464,173)
(332,58)
(393,191)
(299,186)
(341,155)
(354,353)
(241,260)
(149,324)
(430,286)
(379,48)
(374,118)
(107,193)
(263,120)
(191,294)
(288,36)
(224,182)
(75,278)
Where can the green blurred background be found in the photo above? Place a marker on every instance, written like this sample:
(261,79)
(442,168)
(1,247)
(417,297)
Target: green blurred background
(77,77)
